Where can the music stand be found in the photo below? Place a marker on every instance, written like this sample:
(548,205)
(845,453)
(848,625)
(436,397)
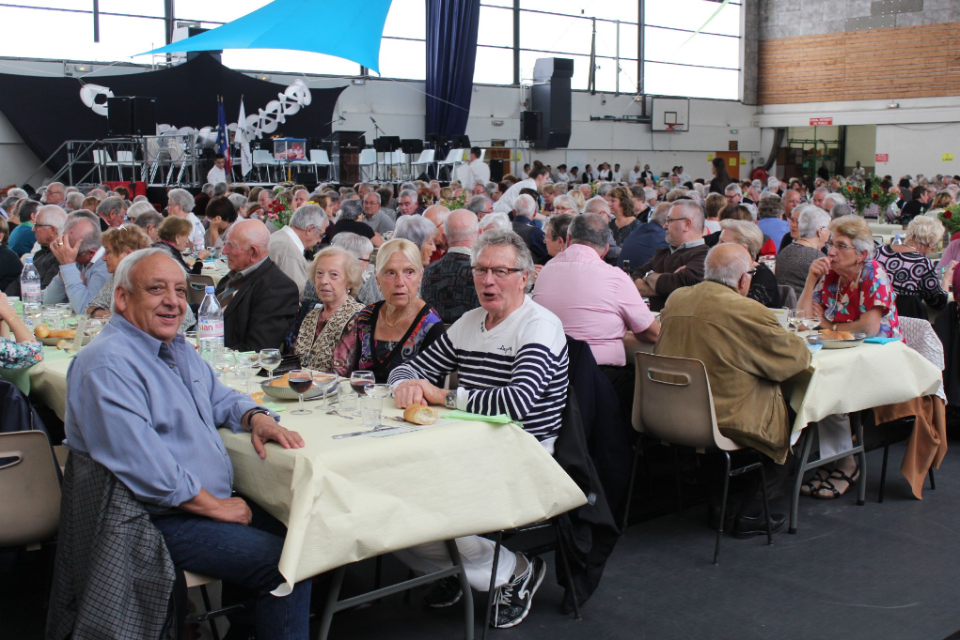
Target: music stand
(460,142)
(435,140)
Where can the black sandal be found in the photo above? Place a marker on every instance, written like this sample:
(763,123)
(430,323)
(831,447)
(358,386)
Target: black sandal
(808,488)
(836,474)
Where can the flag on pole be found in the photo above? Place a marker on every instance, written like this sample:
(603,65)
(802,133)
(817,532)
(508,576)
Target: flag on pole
(246,161)
(223,141)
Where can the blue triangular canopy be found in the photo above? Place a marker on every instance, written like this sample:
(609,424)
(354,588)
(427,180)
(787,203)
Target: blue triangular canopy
(350,30)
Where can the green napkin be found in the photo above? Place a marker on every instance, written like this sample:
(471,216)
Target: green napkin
(273,406)
(456,414)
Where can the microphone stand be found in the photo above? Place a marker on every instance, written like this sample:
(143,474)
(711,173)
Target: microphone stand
(377,132)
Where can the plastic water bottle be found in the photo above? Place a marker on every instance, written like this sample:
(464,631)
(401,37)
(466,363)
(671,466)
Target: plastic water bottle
(210,329)
(30,283)
(198,246)
(897,239)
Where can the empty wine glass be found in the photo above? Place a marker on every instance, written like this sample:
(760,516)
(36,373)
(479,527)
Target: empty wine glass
(795,319)
(247,364)
(270,360)
(65,312)
(300,381)
(379,391)
(223,362)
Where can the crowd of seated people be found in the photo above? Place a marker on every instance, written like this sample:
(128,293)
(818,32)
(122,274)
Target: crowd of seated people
(392,281)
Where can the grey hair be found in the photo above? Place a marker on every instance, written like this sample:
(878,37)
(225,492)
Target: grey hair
(728,273)
(504,237)
(597,203)
(495,220)
(219,189)
(122,278)
(925,229)
(148,218)
(660,213)
(822,190)
(351,210)
(91,239)
(138,209)
(525,206)
(53,215)
(108,206)
(17,192)
(840,210)
(416,229)
(408,193)
(207,189)
(408,186)
(84,213)
(374,194)
(811,220)
(477,204)
(747,235)
(590,229)
(74,200)
(605,188)
(770,207)
(356,245)
(140,199)
(733,187)
(692,210)
(566,201)
(183,198)
(238,200)
(309,215)
(491,188)
(649,194)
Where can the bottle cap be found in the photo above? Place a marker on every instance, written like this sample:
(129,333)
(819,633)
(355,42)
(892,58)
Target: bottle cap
(209,289)
(29,260)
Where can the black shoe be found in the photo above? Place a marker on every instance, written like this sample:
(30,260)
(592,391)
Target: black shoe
(445,592)
(748,527)
(511,603)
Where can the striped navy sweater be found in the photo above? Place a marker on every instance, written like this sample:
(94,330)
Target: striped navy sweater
(518,368)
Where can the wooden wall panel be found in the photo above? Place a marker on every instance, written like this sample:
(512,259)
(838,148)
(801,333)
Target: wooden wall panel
(904,62)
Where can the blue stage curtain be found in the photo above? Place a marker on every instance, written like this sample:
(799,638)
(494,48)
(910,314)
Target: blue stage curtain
(452,27)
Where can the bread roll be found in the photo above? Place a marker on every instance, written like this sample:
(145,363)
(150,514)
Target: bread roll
(69,334)
(62,345)
(421,415)
(830,334)
(42,331)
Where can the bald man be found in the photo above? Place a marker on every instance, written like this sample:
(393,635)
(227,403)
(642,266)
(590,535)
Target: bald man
(447,283)
(259,300)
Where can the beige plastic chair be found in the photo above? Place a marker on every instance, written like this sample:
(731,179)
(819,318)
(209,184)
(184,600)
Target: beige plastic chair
(197,287)
(680,412)
(210,615)
(30,509)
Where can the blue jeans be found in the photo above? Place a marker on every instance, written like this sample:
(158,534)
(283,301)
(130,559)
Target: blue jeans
(244,555)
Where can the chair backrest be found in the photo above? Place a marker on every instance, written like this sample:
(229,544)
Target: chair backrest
(100,156)
(919,335)
(679,406)
(426,156)
(319,156)
(396,157)
(30,486)
(262,156)
(125,156)
(788,297)
(196,287)
(176,150)
(368,156)
(453,156)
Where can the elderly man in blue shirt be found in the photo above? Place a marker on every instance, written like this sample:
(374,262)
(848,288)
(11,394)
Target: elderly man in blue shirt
(141,402)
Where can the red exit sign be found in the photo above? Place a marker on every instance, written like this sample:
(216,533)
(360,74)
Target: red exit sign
(883,157)
(821,122)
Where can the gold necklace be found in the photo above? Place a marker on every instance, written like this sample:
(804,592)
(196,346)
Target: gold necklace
(383,313)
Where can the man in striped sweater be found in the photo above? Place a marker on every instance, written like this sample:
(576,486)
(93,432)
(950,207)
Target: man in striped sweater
(511,358)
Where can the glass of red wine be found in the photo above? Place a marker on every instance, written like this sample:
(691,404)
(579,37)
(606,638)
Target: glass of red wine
(300,381)
(359,381)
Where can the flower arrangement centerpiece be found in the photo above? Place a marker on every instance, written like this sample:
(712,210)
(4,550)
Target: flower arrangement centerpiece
(950,217)
(861,197)
(280,212)
(456,203)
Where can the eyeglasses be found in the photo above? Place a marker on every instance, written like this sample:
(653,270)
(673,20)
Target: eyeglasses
(752,272)
(42,226)
(499,273)
(839,247)
(669,220)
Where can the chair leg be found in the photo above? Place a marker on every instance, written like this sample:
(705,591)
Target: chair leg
(406,594)
(378,574)
(933,483)
(206,603)
(633,477)
(798,481)
(562,552)
(766,503)
(883,473)
(493,582)
(723,506)
(676,468)
(857,424)
(336,583)
(464,587)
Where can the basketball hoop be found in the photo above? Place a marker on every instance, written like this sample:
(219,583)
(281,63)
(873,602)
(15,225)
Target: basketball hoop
(672,127)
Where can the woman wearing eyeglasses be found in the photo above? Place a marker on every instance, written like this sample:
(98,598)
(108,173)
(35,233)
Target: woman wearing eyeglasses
(851,292)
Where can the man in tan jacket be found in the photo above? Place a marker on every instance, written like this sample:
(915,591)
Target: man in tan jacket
(747,355)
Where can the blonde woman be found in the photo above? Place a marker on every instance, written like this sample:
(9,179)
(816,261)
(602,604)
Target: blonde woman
(396,329)
(912,273)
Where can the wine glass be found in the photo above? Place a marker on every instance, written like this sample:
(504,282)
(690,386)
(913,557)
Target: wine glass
(92,327)
(795,319)
(247,364)
(300,382)
(812,322)
(31,312)
(360,380)
(270,360)
(223,362)
(65,311)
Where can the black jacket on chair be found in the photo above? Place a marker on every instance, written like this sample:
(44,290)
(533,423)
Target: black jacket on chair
(946,326)
(262,310)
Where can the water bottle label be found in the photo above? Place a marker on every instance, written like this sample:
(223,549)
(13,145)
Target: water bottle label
(210,329)
(30,288)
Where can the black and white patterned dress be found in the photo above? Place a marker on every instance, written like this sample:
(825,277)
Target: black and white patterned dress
(912,275)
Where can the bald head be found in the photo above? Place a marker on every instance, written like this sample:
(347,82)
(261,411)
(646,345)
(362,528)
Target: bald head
(728,264)
(247,244)
(438,214)
(461,228)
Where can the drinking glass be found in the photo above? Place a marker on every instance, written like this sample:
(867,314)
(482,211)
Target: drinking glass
(270,360)
(65,312)
(359,381)
(223,362)
(795,319)
(247,364)
(370,410)
(348,402)
(812,322)
(378,391)
(93,327)
(32,312)
(300,382)
(51,317)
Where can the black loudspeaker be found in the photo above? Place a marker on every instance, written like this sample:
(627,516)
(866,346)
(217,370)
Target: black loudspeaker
(131,116)
(530,126)
(551,95)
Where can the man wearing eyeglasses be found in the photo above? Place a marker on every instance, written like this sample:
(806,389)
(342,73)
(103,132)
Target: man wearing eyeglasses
(680,264)
(55,194)
(747,354)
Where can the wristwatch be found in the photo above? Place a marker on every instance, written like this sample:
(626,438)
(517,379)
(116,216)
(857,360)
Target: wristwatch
(252,413)
(451,399)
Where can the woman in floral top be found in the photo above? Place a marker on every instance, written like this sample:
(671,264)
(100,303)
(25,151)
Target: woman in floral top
(23,351)
(851,292)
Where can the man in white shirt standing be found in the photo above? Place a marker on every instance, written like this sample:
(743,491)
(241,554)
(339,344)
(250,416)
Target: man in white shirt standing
(474,171)
(287,245)
(634,176)
(217,173)
(538,178)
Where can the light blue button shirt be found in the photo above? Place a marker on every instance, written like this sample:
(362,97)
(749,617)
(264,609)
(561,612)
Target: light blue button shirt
(149,412)
(77,285)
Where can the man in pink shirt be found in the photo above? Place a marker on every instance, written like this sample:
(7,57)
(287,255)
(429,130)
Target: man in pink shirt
(595,301)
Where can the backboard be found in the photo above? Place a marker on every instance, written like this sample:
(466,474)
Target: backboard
(670,114)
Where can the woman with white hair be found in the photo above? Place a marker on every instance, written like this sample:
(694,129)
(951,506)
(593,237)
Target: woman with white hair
(794,260)
(497,220)
(763,284)
(564,204)
(399,327)
(420,231)
(912,273)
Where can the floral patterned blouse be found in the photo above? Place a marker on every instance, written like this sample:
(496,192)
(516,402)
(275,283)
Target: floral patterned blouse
(848,302)
(383,357)
(19,355)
